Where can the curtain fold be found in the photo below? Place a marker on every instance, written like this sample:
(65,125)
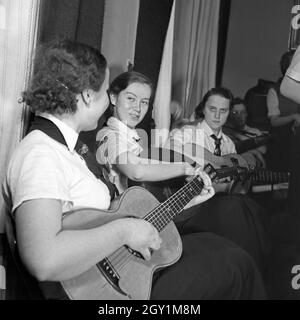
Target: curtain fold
(162,101)
(195,51)
(18,38)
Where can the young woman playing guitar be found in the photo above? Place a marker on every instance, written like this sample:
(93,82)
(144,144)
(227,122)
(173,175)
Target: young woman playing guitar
(50,175)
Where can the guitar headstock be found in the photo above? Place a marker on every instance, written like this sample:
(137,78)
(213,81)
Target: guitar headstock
(211,171)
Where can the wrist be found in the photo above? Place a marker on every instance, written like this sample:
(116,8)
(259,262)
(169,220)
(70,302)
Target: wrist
(187,170)
(123,229)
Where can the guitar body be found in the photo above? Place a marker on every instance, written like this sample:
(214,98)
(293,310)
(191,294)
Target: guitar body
(136,276)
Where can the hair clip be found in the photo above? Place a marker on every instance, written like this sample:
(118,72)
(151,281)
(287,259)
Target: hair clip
(62,84)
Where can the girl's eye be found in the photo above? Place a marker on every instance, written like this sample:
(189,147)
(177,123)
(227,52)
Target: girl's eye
(130,98)
(145,103)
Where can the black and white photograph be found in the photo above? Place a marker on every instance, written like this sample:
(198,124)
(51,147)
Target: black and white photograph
(149,153)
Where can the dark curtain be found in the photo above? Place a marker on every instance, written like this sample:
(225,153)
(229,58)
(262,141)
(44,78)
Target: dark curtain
(79,20)
(152,28)
(224,16)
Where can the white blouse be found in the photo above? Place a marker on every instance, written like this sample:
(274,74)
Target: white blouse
(41,167)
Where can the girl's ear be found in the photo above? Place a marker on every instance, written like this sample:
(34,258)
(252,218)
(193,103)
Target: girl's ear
(86,97)
(113,99)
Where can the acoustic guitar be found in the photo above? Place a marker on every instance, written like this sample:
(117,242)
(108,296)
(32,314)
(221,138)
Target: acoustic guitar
(125,275)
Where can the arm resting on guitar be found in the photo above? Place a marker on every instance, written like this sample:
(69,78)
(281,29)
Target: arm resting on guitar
(202,156)
(53,254)
(192,149)
(279,121)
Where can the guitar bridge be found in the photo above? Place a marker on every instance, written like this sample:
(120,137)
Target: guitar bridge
(110,275)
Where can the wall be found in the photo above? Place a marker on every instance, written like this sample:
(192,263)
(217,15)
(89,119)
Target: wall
(257,36)
(72,19)
(119,34)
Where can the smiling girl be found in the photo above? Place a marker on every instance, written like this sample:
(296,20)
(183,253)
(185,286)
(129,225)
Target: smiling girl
(119,143)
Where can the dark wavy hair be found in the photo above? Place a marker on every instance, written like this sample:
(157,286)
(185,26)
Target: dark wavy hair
(218,91)
(122,81)
(62,70)
(238,100)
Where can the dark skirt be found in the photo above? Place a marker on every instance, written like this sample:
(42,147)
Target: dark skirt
(235,217)
(210,268)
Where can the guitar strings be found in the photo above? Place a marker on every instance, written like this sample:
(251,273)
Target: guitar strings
(122,256)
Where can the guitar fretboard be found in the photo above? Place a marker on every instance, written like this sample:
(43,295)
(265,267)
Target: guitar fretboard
(165,212)
(265,176)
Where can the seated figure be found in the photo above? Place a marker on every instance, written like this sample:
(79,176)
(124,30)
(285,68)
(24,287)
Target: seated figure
(244,136)
(284,115)
(204,138)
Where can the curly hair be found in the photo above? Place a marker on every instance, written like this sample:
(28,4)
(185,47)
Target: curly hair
(62,70)
(218,91)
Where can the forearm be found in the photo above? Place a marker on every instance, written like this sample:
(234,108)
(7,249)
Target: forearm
(278,121)
(201,155)
(75,251)
(70,252)
(153,171)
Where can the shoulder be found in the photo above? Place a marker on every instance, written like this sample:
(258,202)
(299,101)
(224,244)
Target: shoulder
(228,140)
(107,135)
(37,154)
(185,132)
(36,144)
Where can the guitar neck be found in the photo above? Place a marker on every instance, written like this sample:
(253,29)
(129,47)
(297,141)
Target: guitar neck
(166,212)
(266,176)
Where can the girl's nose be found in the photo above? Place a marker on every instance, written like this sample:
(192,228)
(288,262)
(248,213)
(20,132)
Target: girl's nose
(137,105)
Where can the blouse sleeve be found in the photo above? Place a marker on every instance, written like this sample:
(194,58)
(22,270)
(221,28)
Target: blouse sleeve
(294,69)
(38,175)
(272,103)
(110,148)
